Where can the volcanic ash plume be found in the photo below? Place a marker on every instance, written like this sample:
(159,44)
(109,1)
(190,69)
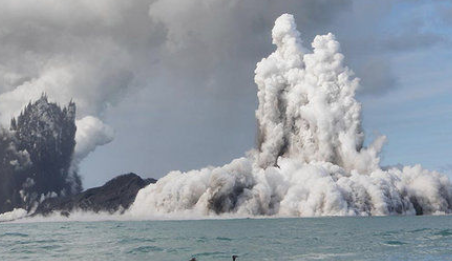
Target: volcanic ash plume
(310,159)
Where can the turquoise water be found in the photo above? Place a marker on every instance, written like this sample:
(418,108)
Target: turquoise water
(375,238)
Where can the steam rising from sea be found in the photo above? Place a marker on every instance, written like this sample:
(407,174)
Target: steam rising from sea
(310,159)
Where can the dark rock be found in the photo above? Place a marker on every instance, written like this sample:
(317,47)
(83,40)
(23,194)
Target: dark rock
(117,194)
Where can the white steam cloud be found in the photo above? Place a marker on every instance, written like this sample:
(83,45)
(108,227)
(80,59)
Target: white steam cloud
(91,132)
(65,51)
(310,159)
(307,108)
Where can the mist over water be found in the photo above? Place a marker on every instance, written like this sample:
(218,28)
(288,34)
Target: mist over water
(310,158)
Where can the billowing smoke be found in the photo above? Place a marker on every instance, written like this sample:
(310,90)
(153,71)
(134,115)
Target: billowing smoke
(65,50)
(36,155)
(307,108)
(61,86)
(310,159)
(91,132)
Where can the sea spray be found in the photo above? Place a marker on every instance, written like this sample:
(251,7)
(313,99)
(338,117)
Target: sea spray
(310,159)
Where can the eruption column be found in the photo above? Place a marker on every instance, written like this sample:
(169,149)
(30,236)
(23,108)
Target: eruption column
(310,159)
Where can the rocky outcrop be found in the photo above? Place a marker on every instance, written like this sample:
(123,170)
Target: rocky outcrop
(116,195)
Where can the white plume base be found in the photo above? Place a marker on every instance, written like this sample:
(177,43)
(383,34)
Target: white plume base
(14,214)
(294,190)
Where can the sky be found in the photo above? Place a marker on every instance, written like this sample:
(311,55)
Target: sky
(173,79)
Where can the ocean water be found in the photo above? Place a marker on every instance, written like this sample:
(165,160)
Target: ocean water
(371,238)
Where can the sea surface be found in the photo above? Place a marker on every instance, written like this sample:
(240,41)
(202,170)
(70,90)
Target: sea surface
(370,238)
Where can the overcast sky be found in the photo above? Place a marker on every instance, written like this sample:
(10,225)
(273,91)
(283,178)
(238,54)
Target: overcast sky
(174,78)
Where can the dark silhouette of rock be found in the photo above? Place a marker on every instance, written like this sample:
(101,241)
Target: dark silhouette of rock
(116,195)
(36,166)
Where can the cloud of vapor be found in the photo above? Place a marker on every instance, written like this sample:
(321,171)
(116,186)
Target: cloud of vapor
(68,51)
(208,36)
(311,160)
(17,213)
(306,103)
(116,57)
(99,53)
(91,132)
